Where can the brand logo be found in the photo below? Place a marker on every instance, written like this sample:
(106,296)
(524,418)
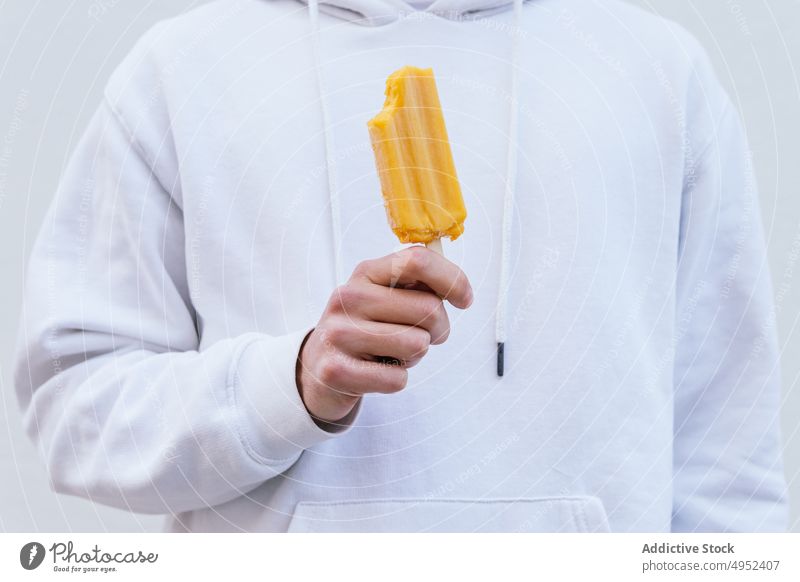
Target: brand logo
(31,555)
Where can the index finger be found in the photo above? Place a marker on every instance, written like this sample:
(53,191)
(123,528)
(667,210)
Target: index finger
(418,265)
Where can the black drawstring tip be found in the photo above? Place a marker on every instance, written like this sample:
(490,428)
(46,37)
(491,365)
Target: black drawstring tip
(501,351)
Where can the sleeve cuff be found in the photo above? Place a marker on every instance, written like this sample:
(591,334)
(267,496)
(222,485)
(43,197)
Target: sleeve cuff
(274,424)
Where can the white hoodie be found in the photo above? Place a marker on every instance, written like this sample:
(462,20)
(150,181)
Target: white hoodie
(613,242)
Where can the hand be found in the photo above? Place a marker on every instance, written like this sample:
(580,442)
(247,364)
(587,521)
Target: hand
(375,327)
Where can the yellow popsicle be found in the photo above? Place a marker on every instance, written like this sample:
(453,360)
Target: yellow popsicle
(415,165)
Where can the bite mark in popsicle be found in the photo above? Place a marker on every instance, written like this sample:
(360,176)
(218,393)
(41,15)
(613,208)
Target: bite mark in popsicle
(418,177)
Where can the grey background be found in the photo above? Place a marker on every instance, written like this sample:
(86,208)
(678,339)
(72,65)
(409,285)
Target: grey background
(55,58)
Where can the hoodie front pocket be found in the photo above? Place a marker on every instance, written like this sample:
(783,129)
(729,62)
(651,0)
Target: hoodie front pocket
(544,514)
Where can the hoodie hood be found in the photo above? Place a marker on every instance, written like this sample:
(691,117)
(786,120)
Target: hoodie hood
(382,12)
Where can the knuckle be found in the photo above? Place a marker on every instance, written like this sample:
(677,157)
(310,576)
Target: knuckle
(346,297)
(420,343)
(442,336)
(331,371)
(417,258)
(413,362)
(396,381)
(335,300)
(431,308)
(362,268)
(334,334)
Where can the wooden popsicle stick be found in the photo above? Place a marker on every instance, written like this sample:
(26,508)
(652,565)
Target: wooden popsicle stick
(436,246)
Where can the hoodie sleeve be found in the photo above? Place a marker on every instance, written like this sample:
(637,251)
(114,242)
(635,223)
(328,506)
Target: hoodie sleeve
(728,474)
(124,406)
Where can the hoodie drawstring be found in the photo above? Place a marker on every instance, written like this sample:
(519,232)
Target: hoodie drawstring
(330,165)
(511,188)
(511,173)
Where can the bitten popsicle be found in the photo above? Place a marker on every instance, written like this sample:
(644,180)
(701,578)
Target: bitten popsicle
(414,161)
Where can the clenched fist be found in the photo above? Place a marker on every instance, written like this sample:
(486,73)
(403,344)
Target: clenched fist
(377,326)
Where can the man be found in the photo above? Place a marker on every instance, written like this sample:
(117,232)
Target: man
(215,293)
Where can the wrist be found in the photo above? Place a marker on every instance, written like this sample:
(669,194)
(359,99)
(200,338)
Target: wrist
(328,409)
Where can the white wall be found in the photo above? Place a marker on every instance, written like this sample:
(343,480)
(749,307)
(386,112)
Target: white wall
(56,56)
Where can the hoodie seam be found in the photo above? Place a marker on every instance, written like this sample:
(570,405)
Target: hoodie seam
(426,500)
(579,511)
(136,144)
(705,151)
(232,385)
